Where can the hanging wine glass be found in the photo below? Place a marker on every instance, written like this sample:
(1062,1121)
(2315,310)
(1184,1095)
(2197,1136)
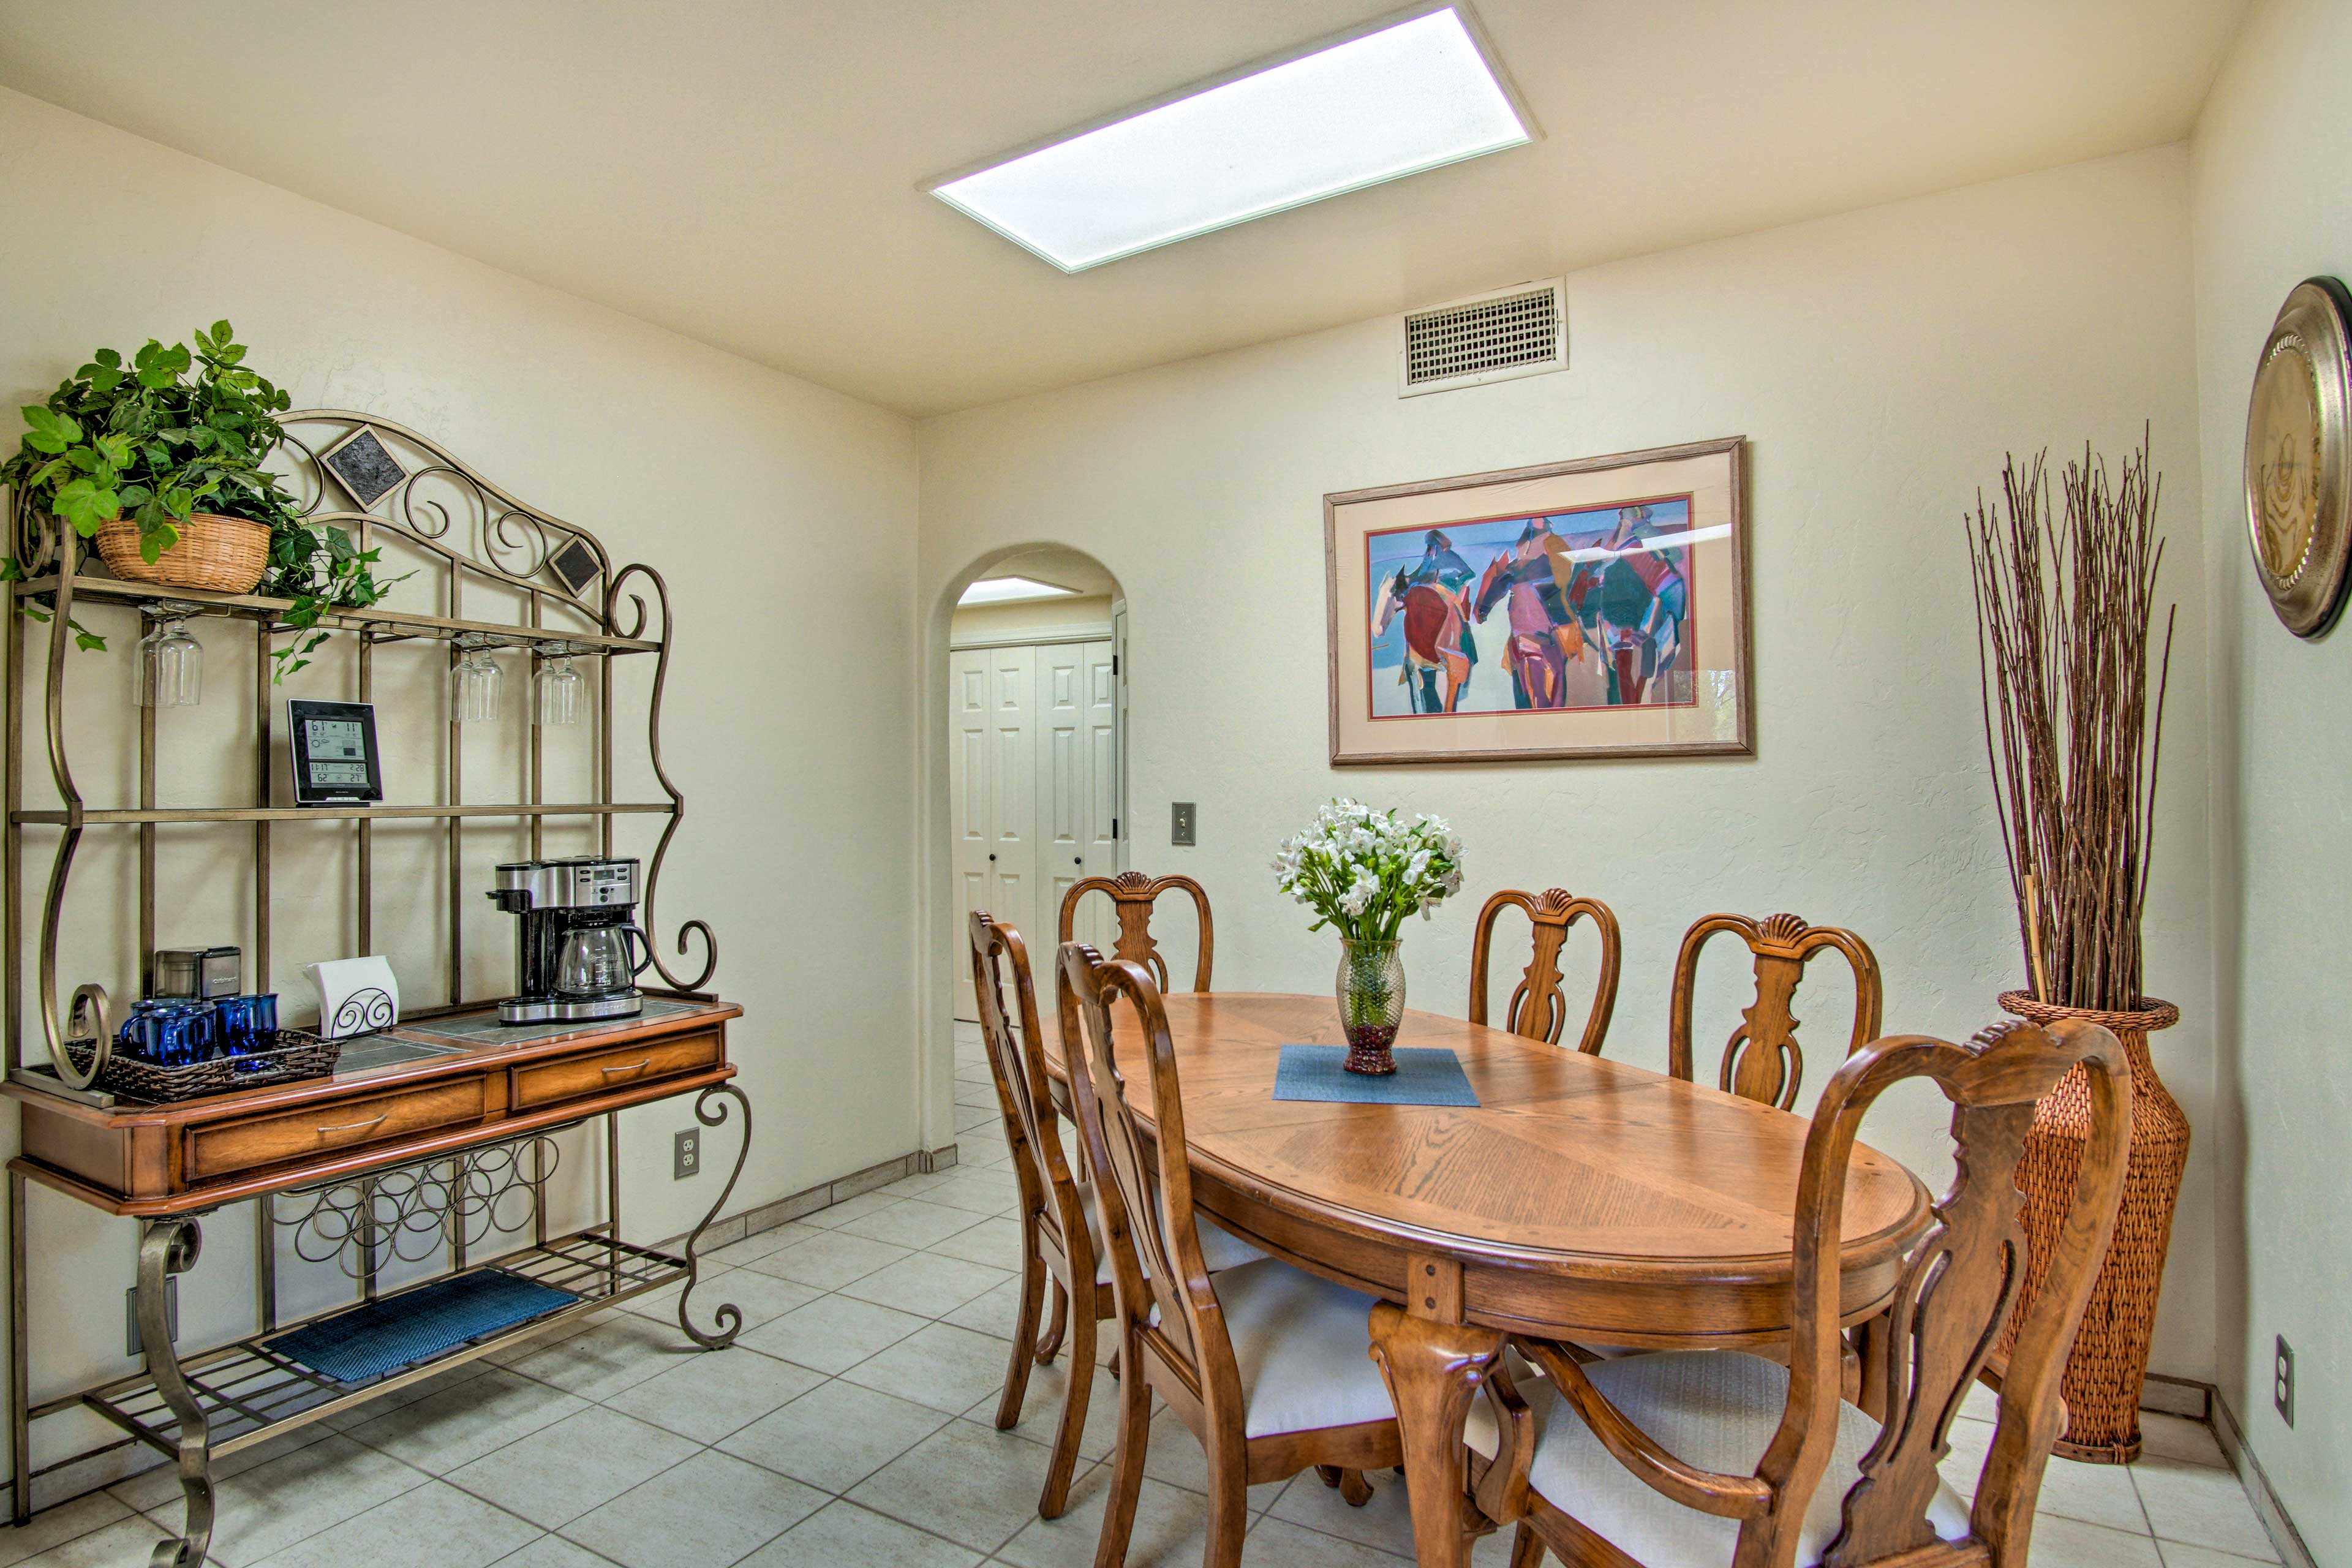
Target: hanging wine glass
(170,672)
(563,690)
(474,683)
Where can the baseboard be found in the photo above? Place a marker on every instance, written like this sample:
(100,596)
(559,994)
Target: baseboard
(729,1230)
(2250,1475)
(2176,1396)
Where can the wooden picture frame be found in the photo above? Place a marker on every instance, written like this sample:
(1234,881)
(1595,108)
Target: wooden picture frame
(1594,608)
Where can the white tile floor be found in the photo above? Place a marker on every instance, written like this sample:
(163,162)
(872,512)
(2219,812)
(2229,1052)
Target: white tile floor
(852,1426)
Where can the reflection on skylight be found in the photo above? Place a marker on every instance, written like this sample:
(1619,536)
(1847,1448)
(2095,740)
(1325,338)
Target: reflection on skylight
(1010,591)
(1411,96)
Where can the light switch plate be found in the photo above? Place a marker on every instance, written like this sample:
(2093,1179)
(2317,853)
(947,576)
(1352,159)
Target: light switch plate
(1183,822)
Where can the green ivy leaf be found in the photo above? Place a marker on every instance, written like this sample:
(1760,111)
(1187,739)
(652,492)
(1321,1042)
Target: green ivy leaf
(85,503)
(152,544)
(87,641)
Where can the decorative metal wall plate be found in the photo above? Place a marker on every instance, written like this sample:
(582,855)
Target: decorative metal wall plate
(362,466)
(2298,463)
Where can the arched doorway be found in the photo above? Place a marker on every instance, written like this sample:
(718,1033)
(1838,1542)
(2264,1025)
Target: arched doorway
(1035,743)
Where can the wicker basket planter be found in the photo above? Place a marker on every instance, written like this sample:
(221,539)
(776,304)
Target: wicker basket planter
(2109,1363)
(224,554)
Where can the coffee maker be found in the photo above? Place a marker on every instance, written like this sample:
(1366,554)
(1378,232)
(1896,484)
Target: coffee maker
(573,954)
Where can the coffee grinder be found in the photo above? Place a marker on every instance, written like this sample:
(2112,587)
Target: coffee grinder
(573,958)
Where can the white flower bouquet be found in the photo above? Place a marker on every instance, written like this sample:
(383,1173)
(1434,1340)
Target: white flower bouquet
(1364,871)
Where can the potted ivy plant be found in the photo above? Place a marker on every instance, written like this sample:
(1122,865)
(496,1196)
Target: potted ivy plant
(157,461)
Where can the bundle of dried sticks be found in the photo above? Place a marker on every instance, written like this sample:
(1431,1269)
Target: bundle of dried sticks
(2064,610)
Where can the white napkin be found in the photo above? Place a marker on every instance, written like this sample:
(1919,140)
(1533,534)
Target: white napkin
(355,995)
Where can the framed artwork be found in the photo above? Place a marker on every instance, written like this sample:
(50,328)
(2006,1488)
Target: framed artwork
(2298,464)
(1593,608)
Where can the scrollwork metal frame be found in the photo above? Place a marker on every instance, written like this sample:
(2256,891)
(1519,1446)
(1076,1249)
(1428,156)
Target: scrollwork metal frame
(452,514)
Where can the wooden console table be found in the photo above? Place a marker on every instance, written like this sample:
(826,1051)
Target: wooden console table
(435,1146)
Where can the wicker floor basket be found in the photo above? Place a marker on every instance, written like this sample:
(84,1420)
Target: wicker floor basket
(293,1055)
(2109,1362)
(224,555)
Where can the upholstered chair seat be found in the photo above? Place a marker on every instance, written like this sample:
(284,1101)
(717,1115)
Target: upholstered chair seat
(1715,1409)
(1301,1344)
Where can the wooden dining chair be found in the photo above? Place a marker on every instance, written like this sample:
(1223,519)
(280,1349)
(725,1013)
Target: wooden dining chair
(1761,1061)
(1770,1464)
(1132,895)
(1058,1245)
(1269,1365)
(1061,1243)
(1537,1009)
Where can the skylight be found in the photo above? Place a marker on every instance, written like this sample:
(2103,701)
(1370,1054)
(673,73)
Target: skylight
(1012,590)
(1392,99)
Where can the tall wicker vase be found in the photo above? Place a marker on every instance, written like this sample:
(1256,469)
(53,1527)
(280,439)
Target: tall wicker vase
(2103,1378)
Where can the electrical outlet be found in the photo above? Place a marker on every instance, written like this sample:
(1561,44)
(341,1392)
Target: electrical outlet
(1183,819)
(133,1345)
(686,1155)
(2283,1381)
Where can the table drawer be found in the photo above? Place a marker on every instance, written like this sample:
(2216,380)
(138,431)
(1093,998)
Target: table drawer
(576,1078)
(325,1129)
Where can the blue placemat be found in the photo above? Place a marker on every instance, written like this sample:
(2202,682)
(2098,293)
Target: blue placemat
(382,1337)
(1425,1076)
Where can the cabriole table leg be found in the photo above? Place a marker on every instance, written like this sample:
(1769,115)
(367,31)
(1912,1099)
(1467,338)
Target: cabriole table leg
(1435,1364)
(169,1246)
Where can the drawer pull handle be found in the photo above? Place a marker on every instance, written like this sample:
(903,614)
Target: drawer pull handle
(632,1067)
(354,1126)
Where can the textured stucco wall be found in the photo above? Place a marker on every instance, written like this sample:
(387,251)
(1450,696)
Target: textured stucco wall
(783,517)
(1881,363)
(2265,195)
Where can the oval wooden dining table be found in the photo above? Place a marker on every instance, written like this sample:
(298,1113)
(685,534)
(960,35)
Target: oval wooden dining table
(1581,1199)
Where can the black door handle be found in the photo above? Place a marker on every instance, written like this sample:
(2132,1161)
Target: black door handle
(991,856)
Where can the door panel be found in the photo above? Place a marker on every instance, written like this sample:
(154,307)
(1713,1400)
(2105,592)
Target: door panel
(969,807)
(1013,787)
(1062,795)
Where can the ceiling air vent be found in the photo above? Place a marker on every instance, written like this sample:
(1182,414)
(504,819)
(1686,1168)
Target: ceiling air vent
(1519,330)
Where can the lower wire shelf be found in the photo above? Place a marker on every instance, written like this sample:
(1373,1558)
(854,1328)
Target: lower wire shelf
(249,1393)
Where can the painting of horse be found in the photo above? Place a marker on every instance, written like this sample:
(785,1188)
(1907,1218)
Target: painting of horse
(1552,611)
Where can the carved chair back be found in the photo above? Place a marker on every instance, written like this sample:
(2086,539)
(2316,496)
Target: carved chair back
(1147,1202)
(1132,895)
(1017,1062)
(1762,1061)
(1536,1008)
(1956,1292)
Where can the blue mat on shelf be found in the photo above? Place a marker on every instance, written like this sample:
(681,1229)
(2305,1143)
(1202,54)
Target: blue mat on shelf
(1425,1076)
(383,1337)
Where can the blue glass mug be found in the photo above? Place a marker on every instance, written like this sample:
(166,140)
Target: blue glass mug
(170,1033)
(247,1027)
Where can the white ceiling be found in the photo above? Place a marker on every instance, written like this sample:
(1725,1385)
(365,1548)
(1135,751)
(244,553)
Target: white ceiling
(744,171)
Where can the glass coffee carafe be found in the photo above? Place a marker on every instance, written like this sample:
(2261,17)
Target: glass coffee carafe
(597,961)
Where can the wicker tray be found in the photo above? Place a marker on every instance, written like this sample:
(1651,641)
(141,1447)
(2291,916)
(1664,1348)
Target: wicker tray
(296,1054)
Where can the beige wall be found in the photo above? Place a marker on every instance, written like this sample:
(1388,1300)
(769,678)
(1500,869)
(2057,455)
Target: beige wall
(2270,155)
(1881,363)
(783,519)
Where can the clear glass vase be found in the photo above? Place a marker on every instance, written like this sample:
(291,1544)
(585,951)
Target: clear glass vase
(1372,1002)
